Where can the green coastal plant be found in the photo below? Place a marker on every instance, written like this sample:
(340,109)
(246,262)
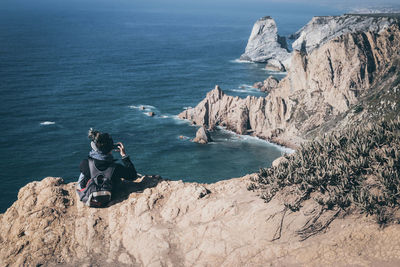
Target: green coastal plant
(357,168)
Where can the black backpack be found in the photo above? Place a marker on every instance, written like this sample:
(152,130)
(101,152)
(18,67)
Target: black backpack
(97,192)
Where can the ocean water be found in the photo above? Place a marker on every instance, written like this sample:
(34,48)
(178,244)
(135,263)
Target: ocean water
(66,67)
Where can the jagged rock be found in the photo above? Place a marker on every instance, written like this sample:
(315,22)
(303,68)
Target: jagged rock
(171,223)
(269,84)
(276,65)
(202,136)
(321,30)
(266,46)
(319,88)
(258,85)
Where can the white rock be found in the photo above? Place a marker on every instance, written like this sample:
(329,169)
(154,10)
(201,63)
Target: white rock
(266,46)
(320,30)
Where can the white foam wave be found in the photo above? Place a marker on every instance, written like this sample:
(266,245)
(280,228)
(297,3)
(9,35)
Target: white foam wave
(238,60)
(276,72)
(143,107)
(178,120)
(238,137)
(246,86)
(239,90)
(185,108)
(245,90)
(47,123)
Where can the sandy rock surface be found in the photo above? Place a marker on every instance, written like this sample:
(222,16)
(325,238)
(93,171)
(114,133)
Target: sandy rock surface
(171,223)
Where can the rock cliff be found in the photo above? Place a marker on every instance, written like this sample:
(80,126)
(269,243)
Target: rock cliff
(350,78)
(321,30)
(266,46)
(170,223)
(321,87)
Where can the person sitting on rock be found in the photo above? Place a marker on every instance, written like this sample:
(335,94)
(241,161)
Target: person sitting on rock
(100,175)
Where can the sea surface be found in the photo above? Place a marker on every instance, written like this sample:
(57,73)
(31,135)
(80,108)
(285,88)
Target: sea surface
(66,66)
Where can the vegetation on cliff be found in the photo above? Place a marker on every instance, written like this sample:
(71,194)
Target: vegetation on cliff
(355,169)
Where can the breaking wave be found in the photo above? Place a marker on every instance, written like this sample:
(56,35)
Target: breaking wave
(238,60)
(253,139)
(47,123)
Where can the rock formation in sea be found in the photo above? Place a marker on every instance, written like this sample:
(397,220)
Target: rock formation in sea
(322,86)
(270,83)
(202,136)
(266,46)
(171,223)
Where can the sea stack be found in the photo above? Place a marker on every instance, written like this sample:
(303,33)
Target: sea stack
(266,46)
(269,84)
(202,136)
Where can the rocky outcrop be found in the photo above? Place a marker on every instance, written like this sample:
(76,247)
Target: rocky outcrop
(258,116)
(171,223)
(268,85)
(321,30)
(202,136)
(266,46)
(320,87)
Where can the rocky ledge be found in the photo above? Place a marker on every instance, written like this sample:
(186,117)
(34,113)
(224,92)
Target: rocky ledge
(171,223)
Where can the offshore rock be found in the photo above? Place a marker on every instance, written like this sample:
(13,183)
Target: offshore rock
(320,87)
(269,84)
(266,46)
(321,30)
(171,223)
(202,136)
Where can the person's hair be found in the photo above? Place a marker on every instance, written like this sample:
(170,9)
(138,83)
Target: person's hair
(103,141)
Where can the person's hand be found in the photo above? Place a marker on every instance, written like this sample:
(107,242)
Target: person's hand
(121,149)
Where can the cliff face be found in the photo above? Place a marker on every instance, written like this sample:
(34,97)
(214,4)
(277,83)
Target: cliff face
(258,116)
(181,224)
(266,46)
(320,86)
(321,30)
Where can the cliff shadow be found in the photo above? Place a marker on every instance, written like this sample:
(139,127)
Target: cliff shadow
(124,188)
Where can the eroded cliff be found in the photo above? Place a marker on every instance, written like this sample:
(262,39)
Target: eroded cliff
(321,86)
(322,29)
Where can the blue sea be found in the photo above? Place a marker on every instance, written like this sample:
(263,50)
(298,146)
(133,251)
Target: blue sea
(66,66)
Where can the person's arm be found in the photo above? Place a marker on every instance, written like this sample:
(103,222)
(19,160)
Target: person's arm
(127,171)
